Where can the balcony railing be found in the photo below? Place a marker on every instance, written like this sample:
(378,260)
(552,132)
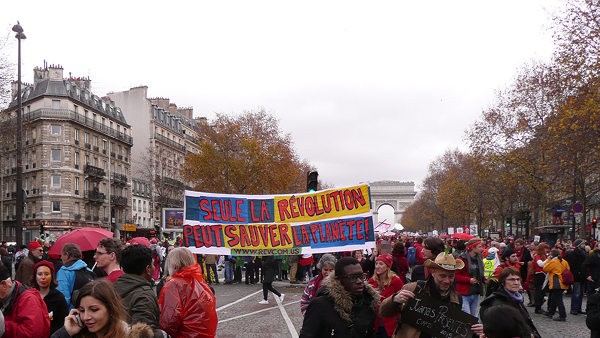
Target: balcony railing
(171,143)
(88,217)
(81,119)
(88,146)
(96,148)
(118,201)
(77,217)
(94,196)
(94,171)
(118,178)
(168,202)
(96,218)
(169,181)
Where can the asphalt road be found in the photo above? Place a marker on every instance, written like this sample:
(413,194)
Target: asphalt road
(240,315)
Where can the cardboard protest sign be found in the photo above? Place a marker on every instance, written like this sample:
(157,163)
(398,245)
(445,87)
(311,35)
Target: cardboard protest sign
(322,221)
(437,318)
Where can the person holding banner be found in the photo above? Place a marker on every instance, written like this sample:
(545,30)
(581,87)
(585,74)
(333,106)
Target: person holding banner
(387,283)
(438,286)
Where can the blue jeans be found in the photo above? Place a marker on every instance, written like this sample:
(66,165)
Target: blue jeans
(228,271)
(577,297)
(470,304)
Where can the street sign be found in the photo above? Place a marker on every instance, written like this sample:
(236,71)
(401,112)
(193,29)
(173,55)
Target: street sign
(578,207)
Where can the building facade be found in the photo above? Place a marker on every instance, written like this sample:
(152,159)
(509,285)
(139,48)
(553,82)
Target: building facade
(164,135)
(76,159)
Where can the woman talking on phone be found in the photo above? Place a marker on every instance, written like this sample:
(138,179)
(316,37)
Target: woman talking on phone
(99,313)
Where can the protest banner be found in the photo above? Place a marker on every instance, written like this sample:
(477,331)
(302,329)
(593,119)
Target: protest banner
(438,319)
(323,221)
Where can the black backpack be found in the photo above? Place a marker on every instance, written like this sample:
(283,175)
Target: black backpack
(82,277)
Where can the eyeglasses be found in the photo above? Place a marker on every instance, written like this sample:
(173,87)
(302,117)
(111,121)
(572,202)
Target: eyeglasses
(354,278)
(98,253)
(513,280)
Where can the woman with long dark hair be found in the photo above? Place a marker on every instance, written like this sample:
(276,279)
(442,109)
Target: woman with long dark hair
(99,313)
(432,246)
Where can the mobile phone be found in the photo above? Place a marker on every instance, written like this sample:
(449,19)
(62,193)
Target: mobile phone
(79,322)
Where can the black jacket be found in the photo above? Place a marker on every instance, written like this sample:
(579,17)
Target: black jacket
(57,304)
(336,313)
(575,258)
(500,297)
(591,266)
(593,314)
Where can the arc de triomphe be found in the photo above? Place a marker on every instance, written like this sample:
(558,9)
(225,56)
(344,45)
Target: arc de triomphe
(398,195)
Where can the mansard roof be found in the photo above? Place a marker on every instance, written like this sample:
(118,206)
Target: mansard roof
(68,89)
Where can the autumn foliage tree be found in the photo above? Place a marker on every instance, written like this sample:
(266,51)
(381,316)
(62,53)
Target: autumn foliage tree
(538,143)
(246,154)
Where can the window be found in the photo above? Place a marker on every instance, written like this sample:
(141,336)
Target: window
(55,104)
(76,185)
(76,158)
(104,144)
(95,141)
(55,129)
(55,179)
(76,109)
(56,155)
(55,206)
(87,159)
(87,138)
(76,135)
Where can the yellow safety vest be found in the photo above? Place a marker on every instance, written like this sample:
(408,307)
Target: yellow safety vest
(488,264)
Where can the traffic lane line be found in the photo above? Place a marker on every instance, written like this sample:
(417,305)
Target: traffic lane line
(256,312)
(287,319)
(237,301)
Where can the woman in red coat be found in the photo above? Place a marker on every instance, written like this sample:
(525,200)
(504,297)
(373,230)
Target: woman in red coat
(187,305)
(387,283)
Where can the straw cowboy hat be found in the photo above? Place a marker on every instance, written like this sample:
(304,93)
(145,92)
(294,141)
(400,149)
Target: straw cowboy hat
(445,261)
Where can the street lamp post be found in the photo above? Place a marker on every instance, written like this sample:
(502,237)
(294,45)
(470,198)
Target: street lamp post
(19,226)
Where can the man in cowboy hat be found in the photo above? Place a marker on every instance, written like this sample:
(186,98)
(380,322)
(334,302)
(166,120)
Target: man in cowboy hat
(439,285)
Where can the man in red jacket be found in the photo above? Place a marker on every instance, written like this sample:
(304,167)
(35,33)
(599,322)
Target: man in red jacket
(24,310)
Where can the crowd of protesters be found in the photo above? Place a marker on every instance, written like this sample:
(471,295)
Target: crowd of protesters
(162,290)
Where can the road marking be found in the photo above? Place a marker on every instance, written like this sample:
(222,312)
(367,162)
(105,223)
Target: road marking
(287,319)
(253,313)
(237,301)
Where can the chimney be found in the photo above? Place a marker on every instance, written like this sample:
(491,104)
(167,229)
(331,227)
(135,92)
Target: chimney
(39,74)
(55,73)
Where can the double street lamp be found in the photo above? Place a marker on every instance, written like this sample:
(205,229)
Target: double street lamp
(19,226)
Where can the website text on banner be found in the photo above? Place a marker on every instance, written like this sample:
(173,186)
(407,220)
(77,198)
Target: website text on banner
(323,221)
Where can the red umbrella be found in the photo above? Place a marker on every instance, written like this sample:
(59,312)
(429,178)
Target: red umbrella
(140,240)
(462,235)
(85,238)
(445,236)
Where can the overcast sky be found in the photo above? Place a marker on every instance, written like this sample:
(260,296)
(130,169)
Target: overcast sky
(370,90)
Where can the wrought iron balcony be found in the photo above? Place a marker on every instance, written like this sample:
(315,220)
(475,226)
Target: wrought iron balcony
(118,178)
(94,196)
(118,201)
(94,171)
